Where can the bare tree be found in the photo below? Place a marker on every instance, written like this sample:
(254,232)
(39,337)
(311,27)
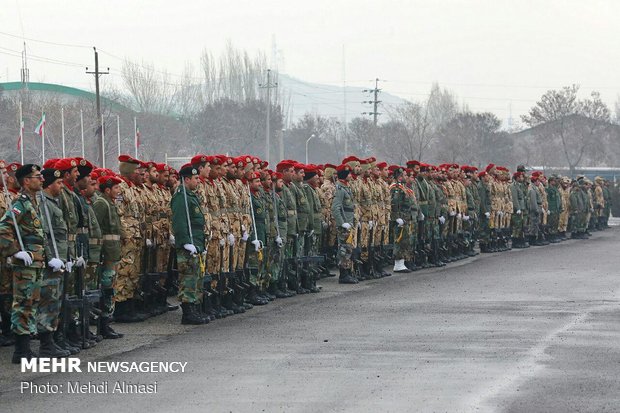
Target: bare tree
(577,126)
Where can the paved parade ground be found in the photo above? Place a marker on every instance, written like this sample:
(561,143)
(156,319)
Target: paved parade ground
(534,330)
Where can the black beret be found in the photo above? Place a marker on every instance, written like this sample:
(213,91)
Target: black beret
(26,170)
(188,171)
(50,175)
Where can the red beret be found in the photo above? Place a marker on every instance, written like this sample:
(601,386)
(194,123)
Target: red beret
(65,164)
(198,159)
(481,174)
(489,167)
(343,167)
(412,163)
(253,175)
(284,165)
(329,166)
(161,167)
(109,181)
(127,159)
(382,165)
(50,163)
(277,175)
(298,165)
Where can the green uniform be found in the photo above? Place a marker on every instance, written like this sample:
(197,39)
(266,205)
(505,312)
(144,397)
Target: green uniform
(94,245)
(26,280)
(256,259)
(343,208)
(109,223)
(554,201)
(51,287)
(190,269)
(518,209)
(403,202)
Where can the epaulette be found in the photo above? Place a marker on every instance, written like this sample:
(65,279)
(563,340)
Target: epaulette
(23,196)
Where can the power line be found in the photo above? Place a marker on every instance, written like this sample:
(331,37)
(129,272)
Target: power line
(375,101)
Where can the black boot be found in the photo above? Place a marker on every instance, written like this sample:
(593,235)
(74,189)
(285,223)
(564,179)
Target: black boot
(48,348)
(346,278)
(254,299)
(189,315)
(22,349)
(230,305)
(59,339)
(273,289)
(106,331)
(126,312)
(284,287)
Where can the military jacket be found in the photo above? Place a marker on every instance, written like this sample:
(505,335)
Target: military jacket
(180,226)
(303,207)
(343,207)
(518,197)
(110,225)
(290,202)
(28,218)
(51,205)
(260,216)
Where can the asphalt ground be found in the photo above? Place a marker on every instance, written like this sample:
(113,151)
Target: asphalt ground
(534,330)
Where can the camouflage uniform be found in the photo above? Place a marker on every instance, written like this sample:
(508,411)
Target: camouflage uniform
(132,242)
(343,209)
(26,280)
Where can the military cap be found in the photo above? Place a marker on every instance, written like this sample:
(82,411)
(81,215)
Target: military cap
(297,166)
(277,175)
(50,163)
(2,164)
(521,168)
(13,167)
(264,164)
(50,175)
(253,175)
(128,159)
(188,170)
(482,173)
(285,164)
(161,167)
(199,159)
(310,171)
(65,164)
(108,181)
(84,167)
(99,172)
(517,174)
(598,179)
(26,170)
(342,171)
(489,167)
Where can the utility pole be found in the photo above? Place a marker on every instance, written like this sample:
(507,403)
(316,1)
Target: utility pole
(98,131)
(268,86)
(375,102)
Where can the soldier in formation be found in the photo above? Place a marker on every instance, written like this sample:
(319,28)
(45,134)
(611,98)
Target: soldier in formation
(225,234)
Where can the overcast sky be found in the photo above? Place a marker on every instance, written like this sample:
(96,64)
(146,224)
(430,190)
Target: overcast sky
(494,54)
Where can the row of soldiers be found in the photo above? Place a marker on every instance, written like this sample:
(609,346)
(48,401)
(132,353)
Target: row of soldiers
(228,233)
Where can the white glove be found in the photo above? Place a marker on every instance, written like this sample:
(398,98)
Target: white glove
(549,212)
(69,266)
(346,226)
(421,217)
(324,224)
(24,256)
(452,213)
(149,243)
(459,216)
(359,225)
(442,220)
(465,217)
(257,245)
(243,228)
(487,214)
(80,262)
(245,236)
(56,264)
(500,213)
(311,233)
(279,242)
(231,239)
(171,239)
(400,222)
(222,242)
(371,224)
(518,212)
(191,248)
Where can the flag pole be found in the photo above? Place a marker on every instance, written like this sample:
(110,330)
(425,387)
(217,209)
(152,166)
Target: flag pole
(135,136)
(43,140)
(118,133)
(62,129)
(21,132)
(82,128)
(102,143)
